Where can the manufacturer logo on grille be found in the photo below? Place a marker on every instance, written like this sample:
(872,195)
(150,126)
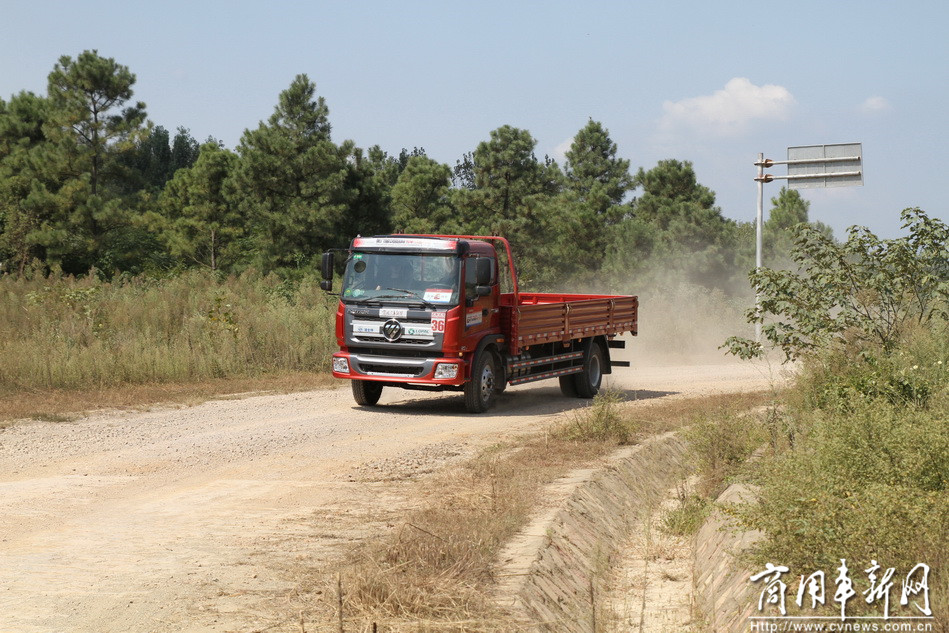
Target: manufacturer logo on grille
(392,330)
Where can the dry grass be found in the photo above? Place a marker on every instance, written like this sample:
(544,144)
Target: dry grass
(437,571)
(84,333)
(437,566)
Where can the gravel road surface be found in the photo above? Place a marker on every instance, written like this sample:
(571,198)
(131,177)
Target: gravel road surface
(201,518)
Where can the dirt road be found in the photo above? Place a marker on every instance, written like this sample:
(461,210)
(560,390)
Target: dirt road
(200,519)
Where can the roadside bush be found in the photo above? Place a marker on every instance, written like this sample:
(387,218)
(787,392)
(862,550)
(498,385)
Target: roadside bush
(871,489)
(864,473)
(865,292)
(687,518)
(910,377)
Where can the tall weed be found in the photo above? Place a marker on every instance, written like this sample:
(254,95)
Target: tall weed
(603,421)
(83,332)
(719,444)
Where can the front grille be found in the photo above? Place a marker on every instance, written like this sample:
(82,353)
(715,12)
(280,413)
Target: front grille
(401,341)
(404,353)
(375,336)
(400,370)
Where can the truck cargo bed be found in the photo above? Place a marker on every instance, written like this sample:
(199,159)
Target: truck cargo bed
(547,317)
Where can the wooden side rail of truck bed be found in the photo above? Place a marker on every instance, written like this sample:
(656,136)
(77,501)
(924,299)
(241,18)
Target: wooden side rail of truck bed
(547,317)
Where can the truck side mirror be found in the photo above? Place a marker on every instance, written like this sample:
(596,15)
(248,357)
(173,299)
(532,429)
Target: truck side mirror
(483,273)
(326,266)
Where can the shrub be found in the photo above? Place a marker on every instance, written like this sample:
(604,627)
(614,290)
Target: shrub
(864,292)
(719,444)
(686,518)
(868,475)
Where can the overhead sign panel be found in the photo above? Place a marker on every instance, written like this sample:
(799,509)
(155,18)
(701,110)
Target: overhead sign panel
(814,166)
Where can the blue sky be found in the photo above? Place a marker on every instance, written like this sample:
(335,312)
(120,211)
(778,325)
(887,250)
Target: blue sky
(710,82)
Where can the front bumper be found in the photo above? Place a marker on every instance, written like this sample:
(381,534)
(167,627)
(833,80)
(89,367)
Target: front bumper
(397,369)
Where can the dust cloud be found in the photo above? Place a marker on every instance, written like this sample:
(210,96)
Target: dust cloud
(681,322)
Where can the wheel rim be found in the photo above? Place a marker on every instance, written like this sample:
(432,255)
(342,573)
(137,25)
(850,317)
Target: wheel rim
(594,372)
(487,382)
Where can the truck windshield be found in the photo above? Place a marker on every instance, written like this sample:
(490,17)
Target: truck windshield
(401,278)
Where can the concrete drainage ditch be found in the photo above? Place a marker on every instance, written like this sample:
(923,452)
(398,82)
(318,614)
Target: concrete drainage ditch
(552,574)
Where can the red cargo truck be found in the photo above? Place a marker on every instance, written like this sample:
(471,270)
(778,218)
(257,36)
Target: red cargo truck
(428,312)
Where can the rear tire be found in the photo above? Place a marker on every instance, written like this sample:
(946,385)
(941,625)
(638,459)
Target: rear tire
(587,382)
(481,389)
(366,392)
(568,385)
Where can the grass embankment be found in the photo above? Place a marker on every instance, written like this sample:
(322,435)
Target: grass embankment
(68,344)
(436,572)
(860,471)
(854,466)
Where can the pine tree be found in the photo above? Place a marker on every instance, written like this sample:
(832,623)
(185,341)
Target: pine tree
(292,182)
(593,171)
(510,194)
(87,95)
(197,222)
(25,203)
(421,198)
(788,210)
(90,133)
(676,227)
(599,182)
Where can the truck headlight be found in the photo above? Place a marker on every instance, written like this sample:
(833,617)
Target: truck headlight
(446,371)
(340,365)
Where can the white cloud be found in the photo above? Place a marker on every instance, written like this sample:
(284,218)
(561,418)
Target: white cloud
(875,105)
(560,152)
(727,112)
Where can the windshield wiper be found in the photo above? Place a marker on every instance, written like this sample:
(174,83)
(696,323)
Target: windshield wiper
(357,300)
(411,293)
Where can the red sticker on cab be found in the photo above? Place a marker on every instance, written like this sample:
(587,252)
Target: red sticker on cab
(438,322)
(437,295)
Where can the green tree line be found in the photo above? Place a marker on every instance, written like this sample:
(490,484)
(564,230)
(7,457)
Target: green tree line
(88,182)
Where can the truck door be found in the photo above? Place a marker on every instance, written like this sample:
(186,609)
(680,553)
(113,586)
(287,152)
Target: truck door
(481,313)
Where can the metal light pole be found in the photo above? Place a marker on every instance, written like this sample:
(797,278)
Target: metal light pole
(758,240)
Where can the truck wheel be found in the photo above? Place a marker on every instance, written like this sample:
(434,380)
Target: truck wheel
(481,389)
(568,385)
(366,393)
(587,382)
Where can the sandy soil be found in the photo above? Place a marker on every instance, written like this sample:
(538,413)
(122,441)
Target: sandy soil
(651,587)
(202,518)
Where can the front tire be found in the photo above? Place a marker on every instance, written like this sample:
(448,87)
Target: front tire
(366,392)
(482,388)
(587,382)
